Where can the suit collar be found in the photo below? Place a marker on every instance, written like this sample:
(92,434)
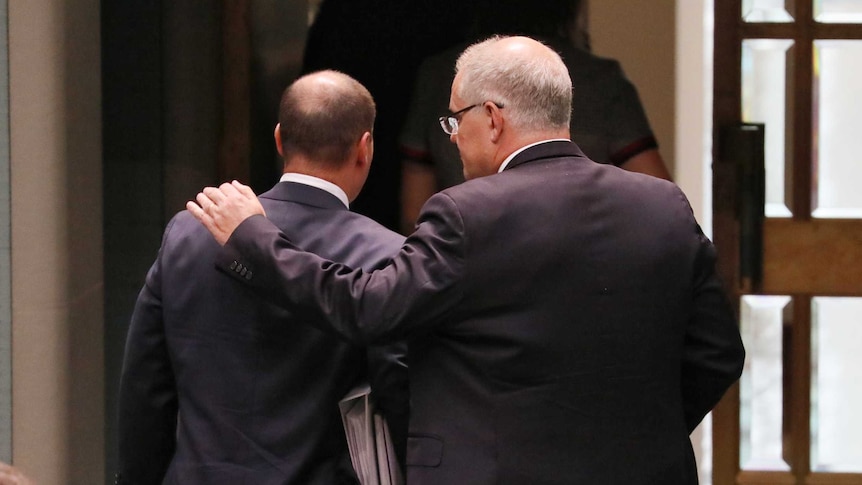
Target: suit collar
(551,149)
(303,194)
(318,182)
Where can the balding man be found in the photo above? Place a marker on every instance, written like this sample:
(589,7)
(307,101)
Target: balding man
(566,321)
(221,387)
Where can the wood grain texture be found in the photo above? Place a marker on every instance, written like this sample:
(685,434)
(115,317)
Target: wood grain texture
(818,257)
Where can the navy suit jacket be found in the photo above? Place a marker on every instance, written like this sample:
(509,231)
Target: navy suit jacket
(566,323)
(255,389)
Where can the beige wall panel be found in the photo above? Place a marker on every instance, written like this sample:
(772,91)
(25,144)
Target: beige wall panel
(55,111)
(641,36)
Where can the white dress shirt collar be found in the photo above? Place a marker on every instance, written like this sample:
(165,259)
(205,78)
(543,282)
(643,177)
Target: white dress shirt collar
(321,184)
(510,157)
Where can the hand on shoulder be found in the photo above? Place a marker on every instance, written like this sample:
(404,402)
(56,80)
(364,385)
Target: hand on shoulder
(221,210)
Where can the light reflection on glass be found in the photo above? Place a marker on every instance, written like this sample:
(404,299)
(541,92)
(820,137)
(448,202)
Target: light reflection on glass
(764,88)
(836,128)
(761,386)
(836,385)
(765,11)
(838,11)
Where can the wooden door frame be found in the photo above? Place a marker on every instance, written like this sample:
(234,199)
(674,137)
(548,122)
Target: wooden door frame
(726,110)
(730,30)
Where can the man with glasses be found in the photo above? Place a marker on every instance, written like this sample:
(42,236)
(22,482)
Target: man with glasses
(609,123)
(566,323)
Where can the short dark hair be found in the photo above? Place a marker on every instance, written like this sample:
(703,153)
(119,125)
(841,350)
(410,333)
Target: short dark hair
(323,120)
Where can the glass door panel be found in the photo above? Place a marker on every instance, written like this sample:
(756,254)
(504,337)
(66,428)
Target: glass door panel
(836,127)
(764,96)
(836,385)
(762,323)
(796,67)
(838,11)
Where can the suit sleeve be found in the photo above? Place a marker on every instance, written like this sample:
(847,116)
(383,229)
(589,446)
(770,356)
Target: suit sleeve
(387,375)
(713,355)
(410,295)
(148,396)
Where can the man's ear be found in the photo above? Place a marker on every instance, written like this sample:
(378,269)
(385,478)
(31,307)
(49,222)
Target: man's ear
(277,135)
(495,120)
(366,148)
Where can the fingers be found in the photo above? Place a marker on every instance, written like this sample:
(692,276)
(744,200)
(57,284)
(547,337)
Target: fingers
(228,190)
(203,200)
(249,194)
(200,214)
(211,197)
(195,209)
(203,209)
(213,194)
(243,189)
(222,209)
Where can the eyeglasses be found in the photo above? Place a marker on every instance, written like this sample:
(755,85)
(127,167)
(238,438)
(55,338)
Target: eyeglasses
(449,123)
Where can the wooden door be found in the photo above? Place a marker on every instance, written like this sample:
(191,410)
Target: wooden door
(796,68)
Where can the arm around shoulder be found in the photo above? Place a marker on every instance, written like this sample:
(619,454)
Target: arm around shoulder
(409,295)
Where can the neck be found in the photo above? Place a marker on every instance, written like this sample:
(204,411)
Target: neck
(305,166)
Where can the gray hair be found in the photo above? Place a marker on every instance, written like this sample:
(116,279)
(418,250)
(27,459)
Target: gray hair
(536,91)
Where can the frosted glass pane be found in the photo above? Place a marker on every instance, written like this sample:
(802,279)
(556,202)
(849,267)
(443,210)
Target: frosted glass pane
(838,11)
(765,11)
(764,88)
(836,385)
(761,391)
(837,127)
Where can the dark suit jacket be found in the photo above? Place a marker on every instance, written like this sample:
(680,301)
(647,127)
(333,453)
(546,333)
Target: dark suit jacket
(567,323)
(256,389)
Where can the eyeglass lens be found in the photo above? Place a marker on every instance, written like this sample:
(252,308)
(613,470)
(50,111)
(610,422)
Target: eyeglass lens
(449,124)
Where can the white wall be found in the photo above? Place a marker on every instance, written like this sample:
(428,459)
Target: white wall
(694,105)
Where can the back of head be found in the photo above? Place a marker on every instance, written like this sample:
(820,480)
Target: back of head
(323,115)
(528,79)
